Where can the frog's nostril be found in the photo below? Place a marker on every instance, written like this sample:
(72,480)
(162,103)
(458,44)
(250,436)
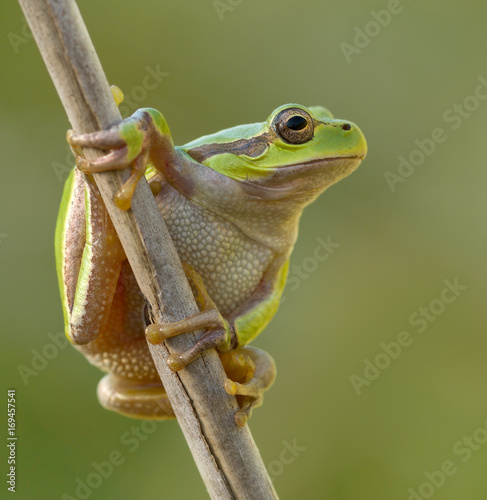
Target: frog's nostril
(346,126)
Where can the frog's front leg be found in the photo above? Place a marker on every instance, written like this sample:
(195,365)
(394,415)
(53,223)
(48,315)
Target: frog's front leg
(135,141)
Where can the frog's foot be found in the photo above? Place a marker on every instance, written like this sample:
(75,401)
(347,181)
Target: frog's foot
(134,399)
(128,144)
(250,373)
(220,334)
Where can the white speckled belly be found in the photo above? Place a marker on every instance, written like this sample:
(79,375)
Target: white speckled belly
(230,263)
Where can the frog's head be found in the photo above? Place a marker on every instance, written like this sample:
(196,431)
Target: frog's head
(295,154)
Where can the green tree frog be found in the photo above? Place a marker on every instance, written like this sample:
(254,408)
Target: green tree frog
(232,202)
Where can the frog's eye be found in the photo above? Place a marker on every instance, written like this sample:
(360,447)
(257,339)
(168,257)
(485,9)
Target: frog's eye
(294,126)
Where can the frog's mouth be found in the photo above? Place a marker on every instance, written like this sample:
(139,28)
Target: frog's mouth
(302,180)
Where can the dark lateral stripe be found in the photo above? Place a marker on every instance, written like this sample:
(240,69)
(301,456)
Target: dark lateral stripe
(249,147)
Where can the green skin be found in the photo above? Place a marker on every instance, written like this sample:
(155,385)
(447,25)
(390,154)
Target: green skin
(232,203)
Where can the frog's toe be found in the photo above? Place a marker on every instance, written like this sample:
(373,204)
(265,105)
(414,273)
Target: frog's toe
(123,198)
(134,399)
(103,139)
(245,412)
(115,160)
(117,94)
(250,373)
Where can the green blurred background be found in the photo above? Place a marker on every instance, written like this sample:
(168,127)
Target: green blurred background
(231,63)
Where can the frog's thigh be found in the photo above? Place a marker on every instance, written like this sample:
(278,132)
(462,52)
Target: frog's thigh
(134,398)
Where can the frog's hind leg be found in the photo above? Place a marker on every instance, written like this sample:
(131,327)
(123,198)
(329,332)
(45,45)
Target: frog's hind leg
(132,386)
(250,373)
(89,257)
(135,399)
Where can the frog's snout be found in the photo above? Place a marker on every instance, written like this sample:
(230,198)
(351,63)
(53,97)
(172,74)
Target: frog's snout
(352,137)
(343,125)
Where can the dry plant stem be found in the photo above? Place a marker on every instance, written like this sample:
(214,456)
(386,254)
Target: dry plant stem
(226,456)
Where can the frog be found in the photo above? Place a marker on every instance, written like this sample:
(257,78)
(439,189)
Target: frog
(232,201)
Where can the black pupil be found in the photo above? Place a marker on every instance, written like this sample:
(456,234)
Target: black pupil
(296,123)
